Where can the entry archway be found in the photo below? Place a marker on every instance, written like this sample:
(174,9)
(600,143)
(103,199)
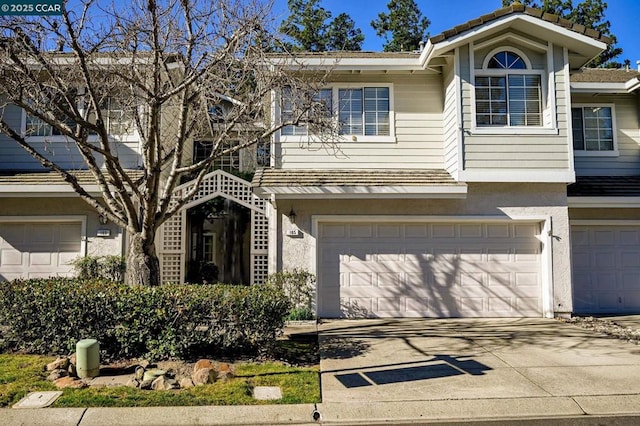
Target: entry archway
(172,235)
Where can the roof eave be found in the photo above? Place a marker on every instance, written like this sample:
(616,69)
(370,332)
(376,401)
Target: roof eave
(585,46)
(458,191)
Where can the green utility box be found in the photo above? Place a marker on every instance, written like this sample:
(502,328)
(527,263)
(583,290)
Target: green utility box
(87,358)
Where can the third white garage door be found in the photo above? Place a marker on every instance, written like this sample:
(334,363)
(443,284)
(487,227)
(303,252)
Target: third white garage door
(429,269)
(606,268)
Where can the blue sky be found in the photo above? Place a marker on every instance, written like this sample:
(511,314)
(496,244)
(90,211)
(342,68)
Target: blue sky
(444,14)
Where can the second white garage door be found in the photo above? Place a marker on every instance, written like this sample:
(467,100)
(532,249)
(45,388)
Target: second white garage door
(39,249)
(429,269)
(606,268)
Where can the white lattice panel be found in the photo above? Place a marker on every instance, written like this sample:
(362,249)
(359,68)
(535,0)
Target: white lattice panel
(172,250)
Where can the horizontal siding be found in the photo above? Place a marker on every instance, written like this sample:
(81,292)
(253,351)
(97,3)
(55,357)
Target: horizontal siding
(418,104)
(513,152)
(627,138)
(64,154)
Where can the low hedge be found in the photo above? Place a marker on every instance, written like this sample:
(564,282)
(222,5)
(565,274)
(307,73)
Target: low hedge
(48,316)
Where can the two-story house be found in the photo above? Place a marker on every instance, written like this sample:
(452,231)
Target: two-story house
(488,175)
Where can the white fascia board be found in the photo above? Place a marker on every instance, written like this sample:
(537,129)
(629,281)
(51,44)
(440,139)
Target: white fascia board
(518,175)
(61,190)
(633,84)
(505,21)
(603,202)
(598,87)
(362,64)
(377,192)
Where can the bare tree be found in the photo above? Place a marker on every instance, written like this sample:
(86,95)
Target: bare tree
(155,69)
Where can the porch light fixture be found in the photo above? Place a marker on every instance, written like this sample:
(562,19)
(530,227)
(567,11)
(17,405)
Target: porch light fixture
(292,216)
(103,219)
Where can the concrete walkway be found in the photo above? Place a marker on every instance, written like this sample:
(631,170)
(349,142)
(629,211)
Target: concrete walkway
(408,371)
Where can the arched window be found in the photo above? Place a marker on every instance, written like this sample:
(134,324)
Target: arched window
(508,92)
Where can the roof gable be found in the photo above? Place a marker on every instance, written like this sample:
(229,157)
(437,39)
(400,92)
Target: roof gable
(583,43)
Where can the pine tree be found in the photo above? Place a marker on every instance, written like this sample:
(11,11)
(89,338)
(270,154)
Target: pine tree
(404,24)
(310,29)
(590,13)
(343,34)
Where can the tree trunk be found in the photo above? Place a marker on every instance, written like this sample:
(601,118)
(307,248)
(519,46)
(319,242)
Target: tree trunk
(143,266)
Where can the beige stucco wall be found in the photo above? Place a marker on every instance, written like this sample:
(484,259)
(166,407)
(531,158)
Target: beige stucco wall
(491,200)
(68,206)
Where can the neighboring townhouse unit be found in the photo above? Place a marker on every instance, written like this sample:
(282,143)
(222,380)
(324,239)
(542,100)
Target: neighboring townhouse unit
(447,193)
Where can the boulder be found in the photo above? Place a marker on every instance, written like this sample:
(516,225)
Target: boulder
(186,383)
(152,374)
(202,363)
(204,376)
(139,372)
(56,374)
(146,384)
(72,370)
(60,363)
(163,383)
(133,383)
(72,359)
(69,382)
(224,371)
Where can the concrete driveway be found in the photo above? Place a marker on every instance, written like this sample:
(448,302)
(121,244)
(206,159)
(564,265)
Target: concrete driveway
(479,367)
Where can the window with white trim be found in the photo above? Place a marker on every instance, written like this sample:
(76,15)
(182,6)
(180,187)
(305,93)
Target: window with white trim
(359,110)
(290,107)
(593,129)
(508,93)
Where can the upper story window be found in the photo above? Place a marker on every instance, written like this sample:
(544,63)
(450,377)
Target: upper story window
(119,120)
(359,110)
(508,92)
(289,108)
(593,129)
(227,162)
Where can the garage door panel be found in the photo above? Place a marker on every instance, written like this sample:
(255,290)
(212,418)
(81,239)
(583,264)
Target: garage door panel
(458,270)
(606,268)
(38,250)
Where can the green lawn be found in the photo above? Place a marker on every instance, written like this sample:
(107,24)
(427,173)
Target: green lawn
(21,374)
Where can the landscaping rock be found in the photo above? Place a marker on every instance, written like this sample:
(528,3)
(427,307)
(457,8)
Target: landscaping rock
(186,383)
(146,384)
(152,374)
(133,383)
(144,363)
(163,383)
(72,359)
(202,363)
(56,374)
(60,363)
(204,376)
(224,371)
(72,370)
(69,382)
(139,372)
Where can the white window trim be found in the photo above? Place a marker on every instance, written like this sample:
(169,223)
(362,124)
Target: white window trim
(129,137)
(585,153)
(349,138)
(545,82)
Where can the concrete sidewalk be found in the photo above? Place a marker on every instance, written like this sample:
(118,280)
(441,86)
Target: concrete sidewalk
(419,371)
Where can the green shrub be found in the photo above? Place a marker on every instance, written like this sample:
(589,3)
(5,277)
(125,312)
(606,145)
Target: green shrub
(300,287)
(100,267)
(50,315)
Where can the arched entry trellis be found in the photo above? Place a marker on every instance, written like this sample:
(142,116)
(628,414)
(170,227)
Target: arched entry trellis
(172,236)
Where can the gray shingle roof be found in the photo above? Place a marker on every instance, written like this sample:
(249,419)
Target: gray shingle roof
(519,8)
(52,178)
(603,75)
(297,178)
(605,186)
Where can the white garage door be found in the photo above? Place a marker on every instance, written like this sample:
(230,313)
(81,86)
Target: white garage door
(606,268)
(429,269)
(35,250)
